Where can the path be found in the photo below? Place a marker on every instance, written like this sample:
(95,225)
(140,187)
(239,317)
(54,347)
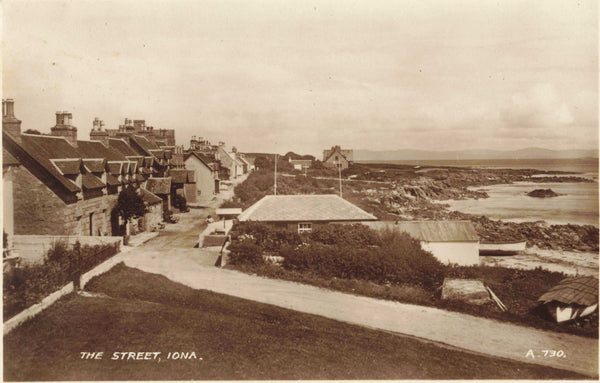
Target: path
(192,268)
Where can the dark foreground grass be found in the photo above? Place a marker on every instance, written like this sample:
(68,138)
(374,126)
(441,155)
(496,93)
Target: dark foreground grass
(236,339)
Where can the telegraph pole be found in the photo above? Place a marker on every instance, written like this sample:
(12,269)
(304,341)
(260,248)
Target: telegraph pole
(275,184)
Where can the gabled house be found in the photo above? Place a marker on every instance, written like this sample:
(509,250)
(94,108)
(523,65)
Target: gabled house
(338,157)
(304,212)
(207,182)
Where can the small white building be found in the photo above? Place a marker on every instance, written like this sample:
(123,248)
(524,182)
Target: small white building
(449,241)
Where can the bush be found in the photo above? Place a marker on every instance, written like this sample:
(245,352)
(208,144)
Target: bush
(351,235)
(245,252)
(397,259)
(27,285)
(231,204)
(267,237)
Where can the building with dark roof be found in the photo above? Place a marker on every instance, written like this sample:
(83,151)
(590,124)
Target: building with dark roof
(59,185)
(304,212)
(338,157)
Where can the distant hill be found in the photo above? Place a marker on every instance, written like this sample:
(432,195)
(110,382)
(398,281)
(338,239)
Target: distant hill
(475,154)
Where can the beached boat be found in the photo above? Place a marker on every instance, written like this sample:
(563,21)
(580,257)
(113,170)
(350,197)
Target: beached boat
(501,248)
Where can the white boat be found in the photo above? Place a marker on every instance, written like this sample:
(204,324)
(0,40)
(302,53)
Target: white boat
(501,248)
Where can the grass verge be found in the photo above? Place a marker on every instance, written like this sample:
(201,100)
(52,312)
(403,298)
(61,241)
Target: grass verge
(518,289)
(236,339)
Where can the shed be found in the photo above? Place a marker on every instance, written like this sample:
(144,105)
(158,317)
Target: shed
(571,298)
(449,241)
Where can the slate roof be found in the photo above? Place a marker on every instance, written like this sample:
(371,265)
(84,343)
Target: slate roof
(159,185)
(91,182)
(201,157)
(178,176)
(292,208)
(8,159)
(49,146)
(112,180)
(122,147)
(95,165)
(95,149)
(432,231)
(114,168)
(67,166)
(143,143)
(582,291)
(149,197)
(31,148)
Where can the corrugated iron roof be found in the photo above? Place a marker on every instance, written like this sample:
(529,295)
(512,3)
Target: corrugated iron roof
(573,290)
(432,231)
(158,185)
(327,207)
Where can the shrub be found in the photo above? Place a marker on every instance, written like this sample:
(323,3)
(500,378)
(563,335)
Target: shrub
(399,259)
(352,235)
(27,285)
(245,252)
(231,204)
(267,237)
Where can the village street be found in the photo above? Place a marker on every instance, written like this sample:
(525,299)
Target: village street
(172,255)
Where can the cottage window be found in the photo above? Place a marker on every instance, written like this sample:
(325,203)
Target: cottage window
(304,228)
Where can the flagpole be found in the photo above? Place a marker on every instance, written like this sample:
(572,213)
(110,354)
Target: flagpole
(275,185)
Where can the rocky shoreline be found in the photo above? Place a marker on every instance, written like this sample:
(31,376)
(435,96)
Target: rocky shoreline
(421,197)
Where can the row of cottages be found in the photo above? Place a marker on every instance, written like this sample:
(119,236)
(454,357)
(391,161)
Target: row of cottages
(59,185)
(336,157)
(449,241)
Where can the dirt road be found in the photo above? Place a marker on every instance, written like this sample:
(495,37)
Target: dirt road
(172,255)
(192,267)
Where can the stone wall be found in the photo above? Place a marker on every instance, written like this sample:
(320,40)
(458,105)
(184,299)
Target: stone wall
(38,210)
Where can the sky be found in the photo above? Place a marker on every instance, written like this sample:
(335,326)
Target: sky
(302,75)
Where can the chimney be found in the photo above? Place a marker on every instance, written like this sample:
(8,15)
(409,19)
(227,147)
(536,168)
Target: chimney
(97,134)
(64,128)
(10,124)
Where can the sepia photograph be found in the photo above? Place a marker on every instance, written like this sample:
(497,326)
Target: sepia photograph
(197,190)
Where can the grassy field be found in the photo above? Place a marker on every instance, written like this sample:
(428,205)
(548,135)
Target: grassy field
(235,339)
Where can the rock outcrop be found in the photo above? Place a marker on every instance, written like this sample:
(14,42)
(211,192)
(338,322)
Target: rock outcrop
(543,193)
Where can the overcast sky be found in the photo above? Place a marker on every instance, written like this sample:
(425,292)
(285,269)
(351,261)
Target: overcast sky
(305,75)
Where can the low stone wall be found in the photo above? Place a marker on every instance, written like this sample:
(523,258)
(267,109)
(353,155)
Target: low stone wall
(32,311)
(32,248)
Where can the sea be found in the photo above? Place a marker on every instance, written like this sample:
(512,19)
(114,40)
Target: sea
(509,202)
(578,203)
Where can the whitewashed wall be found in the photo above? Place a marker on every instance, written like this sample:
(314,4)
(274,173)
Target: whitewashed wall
(462,253)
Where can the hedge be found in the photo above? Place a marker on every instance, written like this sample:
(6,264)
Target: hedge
(29,284)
